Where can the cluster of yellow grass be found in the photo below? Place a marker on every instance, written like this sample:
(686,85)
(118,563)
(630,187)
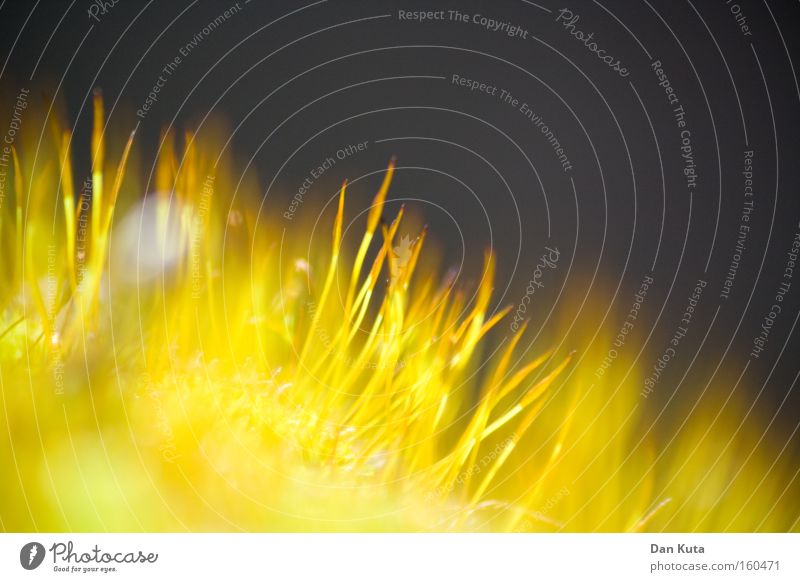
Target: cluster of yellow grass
(205,377)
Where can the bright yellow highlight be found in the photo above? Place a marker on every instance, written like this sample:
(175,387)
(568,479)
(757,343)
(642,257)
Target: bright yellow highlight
(201,374)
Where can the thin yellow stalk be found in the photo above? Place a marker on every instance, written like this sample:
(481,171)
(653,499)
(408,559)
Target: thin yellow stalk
(372,224)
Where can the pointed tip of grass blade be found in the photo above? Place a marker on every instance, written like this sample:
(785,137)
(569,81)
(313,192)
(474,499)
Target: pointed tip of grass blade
(337,226)
(97,104)
(377,204)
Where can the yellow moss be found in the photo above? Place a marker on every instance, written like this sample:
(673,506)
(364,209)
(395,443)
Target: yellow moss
(247,386)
